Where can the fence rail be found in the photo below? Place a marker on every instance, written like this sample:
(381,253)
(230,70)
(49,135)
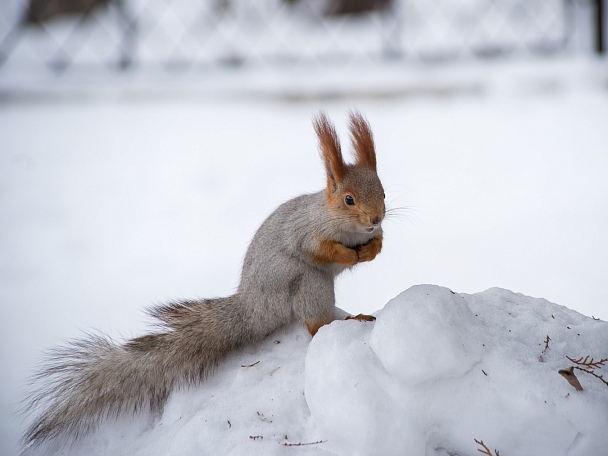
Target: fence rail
(182,34)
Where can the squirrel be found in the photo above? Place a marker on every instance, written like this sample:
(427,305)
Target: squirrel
(288,275)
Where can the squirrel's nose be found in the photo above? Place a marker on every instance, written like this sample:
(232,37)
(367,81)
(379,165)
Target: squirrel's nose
(375,220)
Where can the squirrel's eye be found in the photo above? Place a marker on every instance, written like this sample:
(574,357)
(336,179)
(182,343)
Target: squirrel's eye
(349,200)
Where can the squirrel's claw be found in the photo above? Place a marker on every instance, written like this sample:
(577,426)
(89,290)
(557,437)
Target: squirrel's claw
(361,317)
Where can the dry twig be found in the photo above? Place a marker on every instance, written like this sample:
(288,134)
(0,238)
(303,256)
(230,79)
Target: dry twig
(263,418)
(587,365)
(547,340)
(485,449)
(302,444)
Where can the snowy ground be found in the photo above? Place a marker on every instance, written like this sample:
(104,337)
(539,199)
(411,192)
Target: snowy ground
(434,373)
(116,193)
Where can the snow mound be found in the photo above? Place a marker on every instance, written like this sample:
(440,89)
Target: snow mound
(438,370)
(407,320)
(434,372)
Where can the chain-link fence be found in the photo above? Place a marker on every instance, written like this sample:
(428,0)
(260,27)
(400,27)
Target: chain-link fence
(183,34)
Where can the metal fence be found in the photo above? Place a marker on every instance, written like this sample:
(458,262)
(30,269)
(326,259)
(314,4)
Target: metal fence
(183,34)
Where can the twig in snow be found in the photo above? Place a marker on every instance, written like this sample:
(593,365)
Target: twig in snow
(250,365)
(302,444)
(485,449)
(263,418)
(588,363)
(541,358)
(588,366)
(547,340)
(256,437)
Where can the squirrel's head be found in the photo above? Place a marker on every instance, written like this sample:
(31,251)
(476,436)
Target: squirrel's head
(354,191)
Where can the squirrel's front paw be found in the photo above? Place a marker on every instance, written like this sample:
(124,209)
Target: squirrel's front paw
(368,252)
(333,252)
(346,256)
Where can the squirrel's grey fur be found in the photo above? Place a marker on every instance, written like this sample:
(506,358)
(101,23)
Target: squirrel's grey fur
(282,281)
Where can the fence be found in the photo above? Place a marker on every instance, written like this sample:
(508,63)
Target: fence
(182,34)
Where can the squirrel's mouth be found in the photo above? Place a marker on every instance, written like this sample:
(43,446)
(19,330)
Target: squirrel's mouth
(370,229)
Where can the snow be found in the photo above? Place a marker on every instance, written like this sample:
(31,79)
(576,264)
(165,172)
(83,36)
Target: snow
(436,371)
(456,353)
(119,191)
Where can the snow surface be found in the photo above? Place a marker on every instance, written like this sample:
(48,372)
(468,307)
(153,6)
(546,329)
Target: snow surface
(436,371)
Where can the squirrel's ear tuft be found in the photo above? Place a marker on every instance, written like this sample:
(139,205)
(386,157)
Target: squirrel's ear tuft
(362,140)
(331,152)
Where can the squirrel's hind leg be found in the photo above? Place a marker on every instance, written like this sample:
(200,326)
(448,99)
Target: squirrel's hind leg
(313,303)
(314,325)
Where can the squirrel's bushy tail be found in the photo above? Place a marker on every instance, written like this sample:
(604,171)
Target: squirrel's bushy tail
(94,378)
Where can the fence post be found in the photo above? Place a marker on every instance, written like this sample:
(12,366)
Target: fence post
(599,26)
(129,26)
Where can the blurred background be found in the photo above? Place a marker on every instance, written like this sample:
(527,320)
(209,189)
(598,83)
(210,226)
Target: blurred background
(142,142)
(183,35)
